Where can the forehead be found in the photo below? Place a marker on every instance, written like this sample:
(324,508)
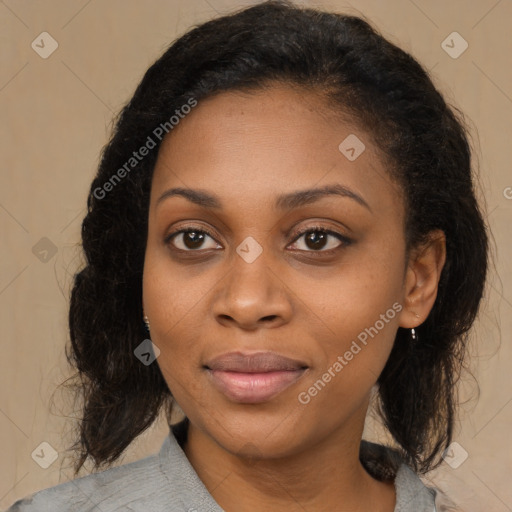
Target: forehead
(250,146)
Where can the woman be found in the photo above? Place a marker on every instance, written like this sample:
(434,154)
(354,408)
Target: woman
(286,209)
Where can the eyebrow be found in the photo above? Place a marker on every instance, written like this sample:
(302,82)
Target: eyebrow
(283,202)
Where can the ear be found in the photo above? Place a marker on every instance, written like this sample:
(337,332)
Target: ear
(422,279)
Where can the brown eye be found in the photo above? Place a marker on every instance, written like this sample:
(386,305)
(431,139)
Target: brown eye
(316,240)
(191,239)
(320,240)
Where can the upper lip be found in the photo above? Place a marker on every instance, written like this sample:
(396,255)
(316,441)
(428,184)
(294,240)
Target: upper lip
(259,362)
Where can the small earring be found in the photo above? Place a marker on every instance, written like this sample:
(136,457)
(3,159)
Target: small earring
(413,335)
(146,321)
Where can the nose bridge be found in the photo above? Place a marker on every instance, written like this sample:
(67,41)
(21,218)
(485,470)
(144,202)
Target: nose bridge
(251,291)
(249,282)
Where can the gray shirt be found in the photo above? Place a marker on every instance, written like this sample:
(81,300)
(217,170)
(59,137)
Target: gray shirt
(166,481)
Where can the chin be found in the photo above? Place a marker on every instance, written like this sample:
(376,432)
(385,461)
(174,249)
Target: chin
(257,434)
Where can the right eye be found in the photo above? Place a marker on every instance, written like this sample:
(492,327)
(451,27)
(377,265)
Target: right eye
(190,239)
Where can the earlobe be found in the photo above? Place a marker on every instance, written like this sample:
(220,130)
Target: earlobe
(426,263)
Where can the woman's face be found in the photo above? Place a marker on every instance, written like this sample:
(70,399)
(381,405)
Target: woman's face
(246,283)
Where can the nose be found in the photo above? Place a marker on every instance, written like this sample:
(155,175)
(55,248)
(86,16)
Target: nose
(251,296)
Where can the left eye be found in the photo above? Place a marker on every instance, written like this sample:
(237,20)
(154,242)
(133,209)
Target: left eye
(318,240)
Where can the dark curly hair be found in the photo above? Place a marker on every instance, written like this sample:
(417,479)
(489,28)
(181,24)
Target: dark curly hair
(425,143)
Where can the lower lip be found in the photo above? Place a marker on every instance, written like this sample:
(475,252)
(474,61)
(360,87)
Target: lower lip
(252,388)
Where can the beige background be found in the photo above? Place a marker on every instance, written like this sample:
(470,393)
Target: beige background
(56,115)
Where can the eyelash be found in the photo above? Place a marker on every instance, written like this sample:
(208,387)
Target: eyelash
(345,241)
(311,229)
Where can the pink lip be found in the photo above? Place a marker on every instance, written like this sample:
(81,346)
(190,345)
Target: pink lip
(253,378)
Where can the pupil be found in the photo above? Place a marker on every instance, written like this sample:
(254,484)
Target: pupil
(193,244)
(317,239)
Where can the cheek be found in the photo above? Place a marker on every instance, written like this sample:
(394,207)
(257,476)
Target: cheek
(171,302)
(360,312)
(173,298)
(350,360)
(354,296)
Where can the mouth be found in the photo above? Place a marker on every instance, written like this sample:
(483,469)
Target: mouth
(253,378)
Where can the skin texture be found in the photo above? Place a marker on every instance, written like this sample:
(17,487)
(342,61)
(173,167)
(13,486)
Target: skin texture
(301,302)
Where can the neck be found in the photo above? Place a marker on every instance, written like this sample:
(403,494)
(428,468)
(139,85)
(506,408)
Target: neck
(326,476)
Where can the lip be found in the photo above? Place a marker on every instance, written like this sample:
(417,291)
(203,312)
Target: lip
(253,378)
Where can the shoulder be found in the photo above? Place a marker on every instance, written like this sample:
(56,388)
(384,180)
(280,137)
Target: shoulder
(412,495)
(385,463)
(163,481)
(115,488)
